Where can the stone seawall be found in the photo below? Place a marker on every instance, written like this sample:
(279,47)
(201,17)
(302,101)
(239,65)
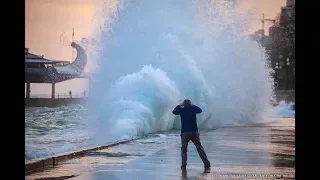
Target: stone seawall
(48,102)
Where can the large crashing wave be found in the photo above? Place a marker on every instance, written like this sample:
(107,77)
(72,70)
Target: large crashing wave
(156,53)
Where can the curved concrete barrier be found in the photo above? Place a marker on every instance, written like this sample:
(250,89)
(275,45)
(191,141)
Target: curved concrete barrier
(38,165)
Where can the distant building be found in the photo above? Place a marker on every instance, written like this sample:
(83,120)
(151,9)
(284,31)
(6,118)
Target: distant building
(287,15)
(282,35)
(267,42)
(259,37)
(291,3)
(281,43)
(274,33)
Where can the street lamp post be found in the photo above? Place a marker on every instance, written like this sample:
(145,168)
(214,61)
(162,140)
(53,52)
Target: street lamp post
(287,74)
(278,67)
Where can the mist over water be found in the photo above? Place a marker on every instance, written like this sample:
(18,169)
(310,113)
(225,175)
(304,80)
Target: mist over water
(156,53)
(282,110)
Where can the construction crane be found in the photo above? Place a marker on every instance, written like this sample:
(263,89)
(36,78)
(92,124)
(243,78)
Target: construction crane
(263,21)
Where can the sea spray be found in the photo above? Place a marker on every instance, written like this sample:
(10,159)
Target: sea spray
(156,53)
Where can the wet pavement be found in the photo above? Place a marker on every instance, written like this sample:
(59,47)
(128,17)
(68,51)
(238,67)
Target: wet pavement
(260,151)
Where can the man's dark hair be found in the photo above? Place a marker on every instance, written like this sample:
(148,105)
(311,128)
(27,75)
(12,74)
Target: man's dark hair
(187,101)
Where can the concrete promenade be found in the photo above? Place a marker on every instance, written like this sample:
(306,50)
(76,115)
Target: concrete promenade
(259,151)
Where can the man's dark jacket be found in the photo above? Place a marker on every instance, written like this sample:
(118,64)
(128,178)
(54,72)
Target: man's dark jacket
(188,117)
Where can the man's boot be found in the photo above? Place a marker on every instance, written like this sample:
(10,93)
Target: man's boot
(207,169)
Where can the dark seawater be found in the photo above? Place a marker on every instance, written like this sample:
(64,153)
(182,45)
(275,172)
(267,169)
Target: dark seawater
(55,130)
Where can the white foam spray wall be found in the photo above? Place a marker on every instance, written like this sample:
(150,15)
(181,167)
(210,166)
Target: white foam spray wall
(153,54)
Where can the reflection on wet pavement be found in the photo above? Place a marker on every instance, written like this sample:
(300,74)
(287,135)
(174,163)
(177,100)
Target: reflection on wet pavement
(254,152)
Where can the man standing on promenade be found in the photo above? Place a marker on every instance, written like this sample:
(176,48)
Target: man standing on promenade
(189,131)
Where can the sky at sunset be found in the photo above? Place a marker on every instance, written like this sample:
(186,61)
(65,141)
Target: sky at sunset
(46,20)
